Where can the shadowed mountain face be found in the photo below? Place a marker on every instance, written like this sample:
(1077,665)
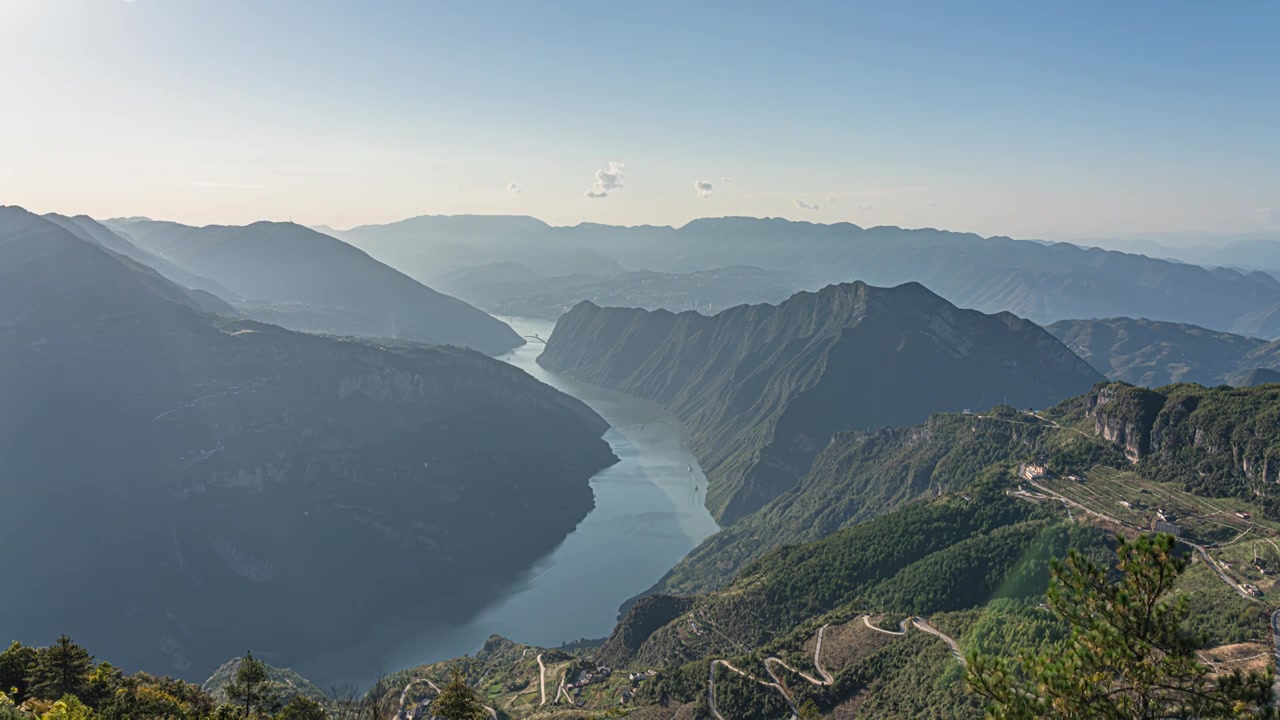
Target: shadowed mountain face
(1043,282)
(304,280)
(86,228)
(206,293)
(1151,353)
(197,485)
(763,388)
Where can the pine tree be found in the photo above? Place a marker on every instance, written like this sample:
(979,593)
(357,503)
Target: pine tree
(1128,656)
(16,666)
(251,688)
(457,701)
(61,669)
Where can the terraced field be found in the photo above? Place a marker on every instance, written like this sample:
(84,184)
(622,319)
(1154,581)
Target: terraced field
(1134,501)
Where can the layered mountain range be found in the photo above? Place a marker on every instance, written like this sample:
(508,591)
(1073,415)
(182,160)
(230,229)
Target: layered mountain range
(763,388)
(1042,282)
(190,485)
(293,276)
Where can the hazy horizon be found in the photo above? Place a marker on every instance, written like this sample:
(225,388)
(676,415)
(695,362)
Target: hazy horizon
(1054,121)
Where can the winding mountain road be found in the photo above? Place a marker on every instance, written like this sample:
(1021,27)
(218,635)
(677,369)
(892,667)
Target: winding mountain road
(817,657)
(542,680)
(776,683)
(404,695)
(866,620)
(1222,574)
(951,643)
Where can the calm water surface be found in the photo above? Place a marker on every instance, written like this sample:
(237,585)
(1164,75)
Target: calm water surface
(649,514)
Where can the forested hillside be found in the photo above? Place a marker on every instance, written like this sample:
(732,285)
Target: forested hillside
(763,388)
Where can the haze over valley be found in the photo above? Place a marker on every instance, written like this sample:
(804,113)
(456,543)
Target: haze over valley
(715,361)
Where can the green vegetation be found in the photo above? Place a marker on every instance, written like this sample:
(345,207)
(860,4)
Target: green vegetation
(63,682)
(251,690)
(764,389)
(1129,654)
(1215,442)
(457,701)
(860,476)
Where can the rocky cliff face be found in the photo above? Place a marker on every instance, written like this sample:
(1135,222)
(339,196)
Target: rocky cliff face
(220,484)
(1125,416)
(1218,441)
(763,388)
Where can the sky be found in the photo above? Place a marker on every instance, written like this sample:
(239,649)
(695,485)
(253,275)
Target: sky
(1030,119)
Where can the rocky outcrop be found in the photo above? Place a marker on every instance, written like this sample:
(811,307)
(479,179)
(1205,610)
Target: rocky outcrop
(1125,415)
(1217,441)
(645,616)
(764,387)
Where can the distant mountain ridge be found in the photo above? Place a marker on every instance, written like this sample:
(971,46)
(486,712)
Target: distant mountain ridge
(1152,353)
(89,229)
(1043,282)
(197,484)
(511,289)
(763,388)
(301,279)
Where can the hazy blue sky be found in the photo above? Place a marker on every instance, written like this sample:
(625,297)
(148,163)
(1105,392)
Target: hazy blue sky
(1049,119)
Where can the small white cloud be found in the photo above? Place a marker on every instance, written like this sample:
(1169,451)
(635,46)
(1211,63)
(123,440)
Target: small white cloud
(704,188)
(607,180)
(1268,216)
(512,188)
(807,206)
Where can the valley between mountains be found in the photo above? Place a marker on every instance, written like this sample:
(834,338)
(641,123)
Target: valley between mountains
(837,504)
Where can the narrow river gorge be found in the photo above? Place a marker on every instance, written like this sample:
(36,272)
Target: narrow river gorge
(648,514)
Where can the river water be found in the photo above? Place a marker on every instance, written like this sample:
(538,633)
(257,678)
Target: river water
(648,514)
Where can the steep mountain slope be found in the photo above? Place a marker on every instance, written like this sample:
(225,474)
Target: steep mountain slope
(1043,282)
(196,485)
(1146,352)
(86,228)
(860,476)
(324,284)
(1219,442)
(763,388)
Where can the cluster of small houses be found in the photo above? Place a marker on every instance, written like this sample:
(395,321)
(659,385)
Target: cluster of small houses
(601,674)
(1163,521)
